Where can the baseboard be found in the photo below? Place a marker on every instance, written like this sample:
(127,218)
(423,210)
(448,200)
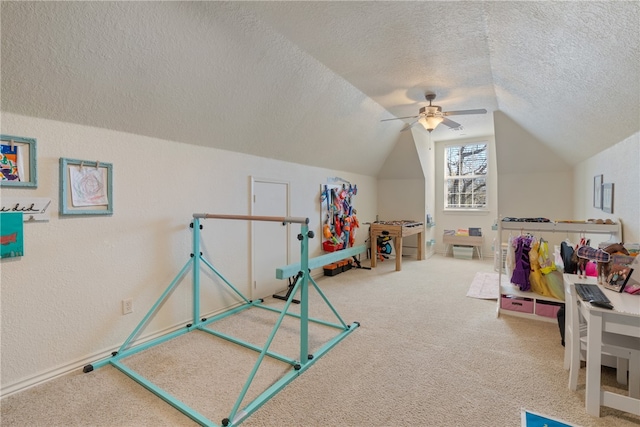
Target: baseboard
(66,368)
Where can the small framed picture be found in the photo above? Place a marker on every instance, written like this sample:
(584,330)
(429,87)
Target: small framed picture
(86,187)
(18,162)
(597,191)
(607,197)
(618,277)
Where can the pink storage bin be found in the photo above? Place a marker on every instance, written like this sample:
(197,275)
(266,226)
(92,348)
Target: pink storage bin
(548,308)
(523,305)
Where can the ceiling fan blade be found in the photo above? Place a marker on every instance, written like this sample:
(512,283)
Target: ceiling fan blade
(450,123)
(409,126)
(461,112)
(399,118)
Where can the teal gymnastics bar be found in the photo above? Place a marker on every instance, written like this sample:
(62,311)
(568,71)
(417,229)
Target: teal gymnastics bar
(300,270)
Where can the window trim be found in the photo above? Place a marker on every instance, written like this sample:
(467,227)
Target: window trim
(447,177)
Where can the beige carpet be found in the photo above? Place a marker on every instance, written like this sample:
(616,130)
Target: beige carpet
(425,355)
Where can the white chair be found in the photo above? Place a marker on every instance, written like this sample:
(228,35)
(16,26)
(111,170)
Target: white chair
(625,349)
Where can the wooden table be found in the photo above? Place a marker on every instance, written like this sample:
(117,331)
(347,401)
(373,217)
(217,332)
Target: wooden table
(397,230)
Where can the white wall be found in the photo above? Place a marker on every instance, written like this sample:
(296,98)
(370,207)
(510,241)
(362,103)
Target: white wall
(402,199)
(426,154)
(61,301)
(401,187)
(619,165)
(532,181)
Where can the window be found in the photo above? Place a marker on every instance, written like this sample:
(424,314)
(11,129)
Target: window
(465,176)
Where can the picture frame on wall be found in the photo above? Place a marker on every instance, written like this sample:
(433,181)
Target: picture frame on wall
(607,197)
(597,191)
(86,187)
(18,161)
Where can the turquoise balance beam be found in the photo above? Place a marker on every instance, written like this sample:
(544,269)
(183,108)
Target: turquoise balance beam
(317,262)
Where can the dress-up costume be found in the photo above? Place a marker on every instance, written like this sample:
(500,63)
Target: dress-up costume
(522,267)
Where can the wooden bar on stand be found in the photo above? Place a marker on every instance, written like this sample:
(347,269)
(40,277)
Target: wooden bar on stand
(396,230)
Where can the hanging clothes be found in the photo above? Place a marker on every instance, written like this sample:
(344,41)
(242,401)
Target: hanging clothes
(555,284)
(544,259)
(522,266)
(510,257)
(537,279)
(566,252)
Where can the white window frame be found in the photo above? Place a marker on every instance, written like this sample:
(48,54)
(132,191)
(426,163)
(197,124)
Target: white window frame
(448,178)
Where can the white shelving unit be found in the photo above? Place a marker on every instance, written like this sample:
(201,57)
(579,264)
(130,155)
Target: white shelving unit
(530,301)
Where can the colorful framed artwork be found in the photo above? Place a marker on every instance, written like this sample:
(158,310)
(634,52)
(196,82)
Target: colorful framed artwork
(86,187)
(607,197)
(18,162)
(11,235)
(597,191)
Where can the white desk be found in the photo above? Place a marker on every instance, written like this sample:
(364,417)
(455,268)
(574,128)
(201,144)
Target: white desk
(624,319)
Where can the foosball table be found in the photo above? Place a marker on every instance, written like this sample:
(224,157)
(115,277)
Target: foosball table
(397,230)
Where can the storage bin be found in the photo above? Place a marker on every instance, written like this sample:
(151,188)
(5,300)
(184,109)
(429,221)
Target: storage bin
(463,252)
(548,308)
(328,246)
(331,270)
(513,303)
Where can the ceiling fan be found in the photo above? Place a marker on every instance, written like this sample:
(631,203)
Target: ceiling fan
(432,115)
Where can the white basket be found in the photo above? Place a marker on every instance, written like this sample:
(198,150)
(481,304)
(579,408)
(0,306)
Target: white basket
(463,252)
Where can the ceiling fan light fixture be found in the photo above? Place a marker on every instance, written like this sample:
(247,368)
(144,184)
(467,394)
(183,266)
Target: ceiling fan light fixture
(430,122)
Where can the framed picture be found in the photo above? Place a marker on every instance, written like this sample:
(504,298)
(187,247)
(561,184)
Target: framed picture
(18,161)
(607,197)
(86,187)
(597,191)
(11,229)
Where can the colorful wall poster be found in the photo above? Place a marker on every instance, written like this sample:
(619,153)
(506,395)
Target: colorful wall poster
(11,235)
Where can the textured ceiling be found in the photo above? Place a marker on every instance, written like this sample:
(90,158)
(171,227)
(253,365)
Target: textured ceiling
(309,82)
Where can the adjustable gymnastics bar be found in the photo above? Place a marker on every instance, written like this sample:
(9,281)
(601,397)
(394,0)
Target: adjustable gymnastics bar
(237,415)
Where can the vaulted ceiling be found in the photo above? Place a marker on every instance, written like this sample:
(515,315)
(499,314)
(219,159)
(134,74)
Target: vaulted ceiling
(310,82)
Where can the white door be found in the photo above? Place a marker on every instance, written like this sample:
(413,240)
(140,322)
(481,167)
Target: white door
(269,239)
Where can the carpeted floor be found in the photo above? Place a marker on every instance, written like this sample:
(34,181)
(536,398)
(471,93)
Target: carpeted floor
(425,355)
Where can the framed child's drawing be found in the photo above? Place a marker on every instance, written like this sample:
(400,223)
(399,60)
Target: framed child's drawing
(86,187)
(18,161)
(597,191)
(607,197)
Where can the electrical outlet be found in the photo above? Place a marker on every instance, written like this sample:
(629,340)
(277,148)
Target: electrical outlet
(127,306)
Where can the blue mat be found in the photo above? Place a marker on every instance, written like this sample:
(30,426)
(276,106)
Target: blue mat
(531,419)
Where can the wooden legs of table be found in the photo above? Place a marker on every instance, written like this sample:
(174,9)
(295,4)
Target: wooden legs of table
(397,243)
(374,251)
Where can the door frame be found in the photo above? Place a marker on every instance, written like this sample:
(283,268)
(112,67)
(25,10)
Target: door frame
(287,184)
